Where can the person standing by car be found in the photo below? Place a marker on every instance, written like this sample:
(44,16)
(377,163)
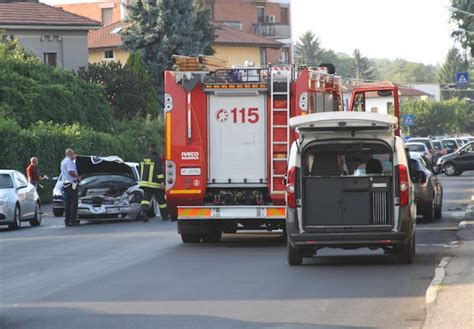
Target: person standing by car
(70,180)
(152,183)
(32,172)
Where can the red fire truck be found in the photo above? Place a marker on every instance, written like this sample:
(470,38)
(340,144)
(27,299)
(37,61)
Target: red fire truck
(227,141)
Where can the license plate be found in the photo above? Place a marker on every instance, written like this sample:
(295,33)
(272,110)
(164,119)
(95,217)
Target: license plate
(190,171)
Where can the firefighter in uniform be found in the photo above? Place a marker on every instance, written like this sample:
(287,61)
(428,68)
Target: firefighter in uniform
(152,183)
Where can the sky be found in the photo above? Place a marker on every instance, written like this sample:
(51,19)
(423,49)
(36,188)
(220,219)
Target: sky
(416,30)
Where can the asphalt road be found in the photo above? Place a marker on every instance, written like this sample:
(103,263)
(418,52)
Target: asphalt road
(140,275)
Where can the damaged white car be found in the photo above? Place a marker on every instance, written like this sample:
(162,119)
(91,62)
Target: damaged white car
(108,188)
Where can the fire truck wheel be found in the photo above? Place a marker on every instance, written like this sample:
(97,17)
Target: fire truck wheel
(214,235)
(191,238)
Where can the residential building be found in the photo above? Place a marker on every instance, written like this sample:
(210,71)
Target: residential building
(264,18)
(104,11)
(57,37)
(376,103)
(237,47)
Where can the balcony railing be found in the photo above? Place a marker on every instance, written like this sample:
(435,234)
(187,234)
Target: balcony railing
(270,30)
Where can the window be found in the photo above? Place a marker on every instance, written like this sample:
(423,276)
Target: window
(109,54)
(260,14)
(285,56)
(263,57)
(50,59)
(107,16)
(284,16)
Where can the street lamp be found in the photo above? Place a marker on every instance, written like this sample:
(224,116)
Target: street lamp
(454,9)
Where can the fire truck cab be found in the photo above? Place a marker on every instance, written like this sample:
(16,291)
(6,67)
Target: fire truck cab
(227,139)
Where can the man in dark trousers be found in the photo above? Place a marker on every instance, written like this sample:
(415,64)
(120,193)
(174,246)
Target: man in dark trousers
(152,182)
(70,181)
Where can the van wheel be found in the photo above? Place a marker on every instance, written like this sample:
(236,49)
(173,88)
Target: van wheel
(191,238)
(429,212)
(294,255)
(36,221)
(449,169)
(407,252)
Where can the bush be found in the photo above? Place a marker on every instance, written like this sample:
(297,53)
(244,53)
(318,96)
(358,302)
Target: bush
(31,91)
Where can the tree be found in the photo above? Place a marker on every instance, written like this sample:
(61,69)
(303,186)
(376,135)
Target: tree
(308,50)
(162,28)
(452,64)
(361,69)
(207,31)
(127,88)
(465,22)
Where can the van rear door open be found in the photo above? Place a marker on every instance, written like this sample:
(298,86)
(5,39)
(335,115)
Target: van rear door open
(347,162)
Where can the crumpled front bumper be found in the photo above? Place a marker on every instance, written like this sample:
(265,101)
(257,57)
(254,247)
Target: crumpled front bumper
(107,211)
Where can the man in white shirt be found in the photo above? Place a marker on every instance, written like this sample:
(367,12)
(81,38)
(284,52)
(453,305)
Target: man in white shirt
(70,181)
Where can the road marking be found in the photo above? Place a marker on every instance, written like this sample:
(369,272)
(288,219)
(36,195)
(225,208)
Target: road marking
(435,285)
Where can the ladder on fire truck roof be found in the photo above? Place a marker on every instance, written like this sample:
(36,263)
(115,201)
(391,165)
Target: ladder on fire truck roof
(280,83)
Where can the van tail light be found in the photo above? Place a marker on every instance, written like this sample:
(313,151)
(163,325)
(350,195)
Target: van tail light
(291,188)
(404,185)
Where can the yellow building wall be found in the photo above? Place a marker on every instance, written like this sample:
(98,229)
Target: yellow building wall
(97,55)
(238,55)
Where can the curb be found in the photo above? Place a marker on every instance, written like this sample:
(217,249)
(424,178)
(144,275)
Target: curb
(435,285)
(440,272)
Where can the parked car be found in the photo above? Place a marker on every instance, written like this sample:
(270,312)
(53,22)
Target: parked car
(439,149)
(450,144)
(349,185)
(428,189)
(419,148)
(460,141)
(456,163)
(19,200)
(58,197)
(429,144)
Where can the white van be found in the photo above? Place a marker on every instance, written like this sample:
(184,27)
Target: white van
(349,185)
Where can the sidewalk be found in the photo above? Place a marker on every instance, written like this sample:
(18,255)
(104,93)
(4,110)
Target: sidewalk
(454,305)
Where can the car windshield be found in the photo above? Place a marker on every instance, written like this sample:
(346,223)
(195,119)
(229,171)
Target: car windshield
(423,141)
(416,147)
(5,181)
(449,143)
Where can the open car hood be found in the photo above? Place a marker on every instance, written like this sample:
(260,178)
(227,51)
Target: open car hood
(90,165)
(345,123)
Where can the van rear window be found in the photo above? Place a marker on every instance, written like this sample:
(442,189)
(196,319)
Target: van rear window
(347,159)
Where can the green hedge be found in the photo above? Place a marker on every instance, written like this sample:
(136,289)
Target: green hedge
(47,141)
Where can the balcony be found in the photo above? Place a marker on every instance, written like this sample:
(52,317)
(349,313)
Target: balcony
(271,30)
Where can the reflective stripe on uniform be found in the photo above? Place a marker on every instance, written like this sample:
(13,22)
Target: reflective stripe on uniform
(146,203)
(150,184)
(160,176)
(163,206)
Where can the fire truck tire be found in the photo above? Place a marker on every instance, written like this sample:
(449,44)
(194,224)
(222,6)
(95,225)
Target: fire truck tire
(214,235)
(191,238)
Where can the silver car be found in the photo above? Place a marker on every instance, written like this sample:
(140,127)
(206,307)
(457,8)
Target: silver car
(108,189)
(19,200)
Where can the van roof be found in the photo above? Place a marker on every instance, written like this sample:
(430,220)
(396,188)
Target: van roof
(328,120)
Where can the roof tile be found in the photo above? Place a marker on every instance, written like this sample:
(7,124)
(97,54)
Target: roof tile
(22,13)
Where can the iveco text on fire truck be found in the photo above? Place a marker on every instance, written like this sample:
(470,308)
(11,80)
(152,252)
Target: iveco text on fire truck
(227,140)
